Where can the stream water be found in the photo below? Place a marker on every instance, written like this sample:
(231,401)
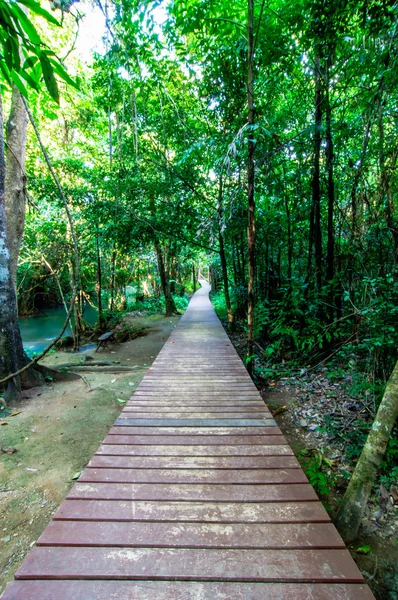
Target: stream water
(38,331)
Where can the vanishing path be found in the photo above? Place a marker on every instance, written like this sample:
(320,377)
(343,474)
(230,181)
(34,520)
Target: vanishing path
(193,495)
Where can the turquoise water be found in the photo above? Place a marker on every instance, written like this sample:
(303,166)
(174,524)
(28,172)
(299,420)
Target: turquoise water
(38,331)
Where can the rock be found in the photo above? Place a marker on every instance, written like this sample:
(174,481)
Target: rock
(303,423)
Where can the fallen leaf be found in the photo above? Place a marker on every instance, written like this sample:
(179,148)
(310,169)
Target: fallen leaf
(364,549)
(76,475)
(273,384)
(6,539)
(121,401)
(2,424)
(280,410)
(14,414)
(113,380)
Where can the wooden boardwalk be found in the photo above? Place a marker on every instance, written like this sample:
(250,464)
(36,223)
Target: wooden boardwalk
(193,495)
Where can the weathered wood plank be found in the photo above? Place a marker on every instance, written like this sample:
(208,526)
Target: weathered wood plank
(178,590)
(214,476)
(194,492)
(155,414)
(194,462)
(190,564)
(207,512)
(122,446)
(161,422)
(221,432)
(191,535)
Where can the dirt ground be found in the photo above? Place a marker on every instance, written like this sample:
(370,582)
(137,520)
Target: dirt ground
(54,432)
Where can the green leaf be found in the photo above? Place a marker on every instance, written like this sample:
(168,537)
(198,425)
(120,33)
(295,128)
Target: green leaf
(27,26)
(33,84)
(364,549)
(5,71)
(61,72)
(30,62)
(36,8)
(16,78)
(76,475)
(49,78)
(121,401)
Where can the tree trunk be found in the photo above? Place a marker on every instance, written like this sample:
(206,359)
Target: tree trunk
(15,178)
(250,188)
(194,278)
(99,285)
(331,201)
(316,186)
(12,353)
(386,173)
(223,258)
(242,256)
(164,278)
(356,497)
(113,277)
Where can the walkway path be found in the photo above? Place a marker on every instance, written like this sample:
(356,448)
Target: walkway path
(193,495)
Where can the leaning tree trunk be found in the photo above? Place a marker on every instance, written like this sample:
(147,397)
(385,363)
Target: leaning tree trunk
(356,497)
(250,188)
(15,179)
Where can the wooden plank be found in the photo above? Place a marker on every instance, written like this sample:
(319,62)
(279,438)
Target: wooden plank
(168,408)
(208,512)
(194,492)
(194,422)
(214,476)
(190,535)
(179,590)
(194,462)
(222,432)
(166,404)
(155,414)
(122,447)
(190,564)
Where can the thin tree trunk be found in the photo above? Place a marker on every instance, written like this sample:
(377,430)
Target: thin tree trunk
(385,182)
(99,284)
(357,494)
(194,277)
(289,245)
(15,178)
(242,255)
(250,188)
(331,201)
(316,186)
(113,276)
(164,278)
(223,258)
(234,267)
